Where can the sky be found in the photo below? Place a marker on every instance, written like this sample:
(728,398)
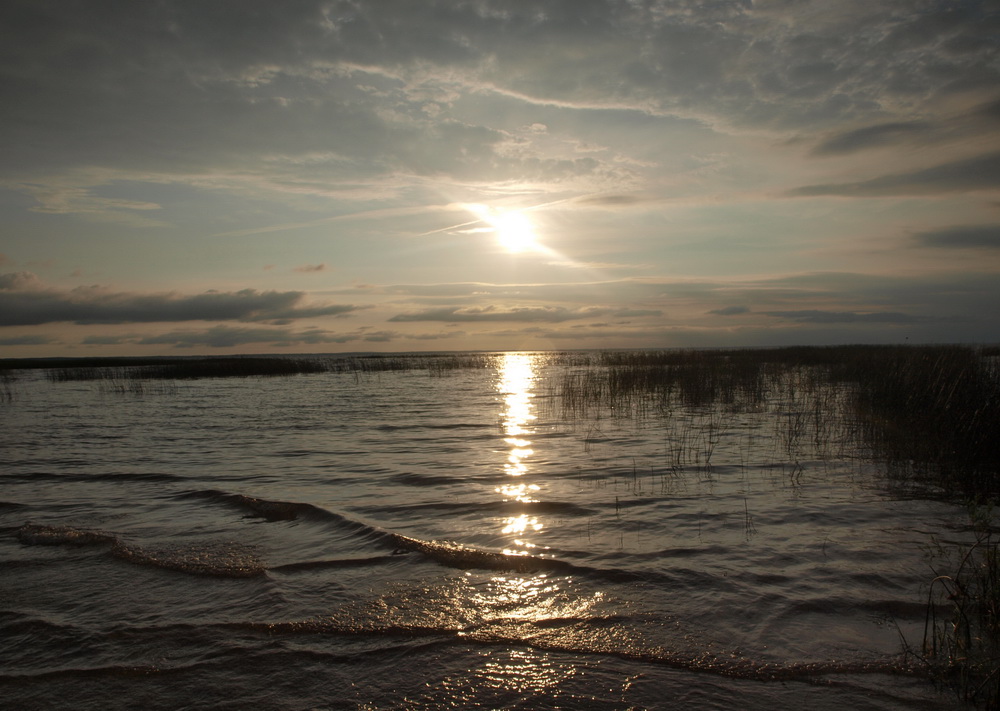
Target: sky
(305,176)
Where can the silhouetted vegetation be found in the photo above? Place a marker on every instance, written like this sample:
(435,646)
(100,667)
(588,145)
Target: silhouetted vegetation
(962,629)
(69,369)
(931,411)
(930,414)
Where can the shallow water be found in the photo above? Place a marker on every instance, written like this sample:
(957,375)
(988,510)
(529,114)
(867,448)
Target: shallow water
(458,540)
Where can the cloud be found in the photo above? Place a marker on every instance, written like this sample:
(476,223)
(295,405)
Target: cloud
(25,301)
(20,281)
(877,136)
(27,340)
(186,88)
(730,311)
(310,268)
(978,173)
(526,314)
(611,200)
(824,317)
(230,337)
(961,237)
(107,340)
(598,266)
(636,313)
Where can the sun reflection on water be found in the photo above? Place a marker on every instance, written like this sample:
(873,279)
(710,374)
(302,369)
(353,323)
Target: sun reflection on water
(515,385)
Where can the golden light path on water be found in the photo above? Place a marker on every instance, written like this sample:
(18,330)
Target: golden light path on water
(515,384)
(514,609)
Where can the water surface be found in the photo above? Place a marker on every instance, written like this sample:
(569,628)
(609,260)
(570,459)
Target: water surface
(452,539)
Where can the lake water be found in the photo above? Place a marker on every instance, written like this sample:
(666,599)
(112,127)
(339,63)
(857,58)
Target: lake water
(449,540)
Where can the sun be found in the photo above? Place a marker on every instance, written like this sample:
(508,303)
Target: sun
(514,231)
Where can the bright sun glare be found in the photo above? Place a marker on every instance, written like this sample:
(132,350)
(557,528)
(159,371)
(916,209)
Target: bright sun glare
(515,231)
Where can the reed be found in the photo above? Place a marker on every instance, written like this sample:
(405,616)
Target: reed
(120,369)
(6,387)
(962,627)
(931,414)
(932,411)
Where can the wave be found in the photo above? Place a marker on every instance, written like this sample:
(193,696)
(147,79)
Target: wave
(414,479)
(219,558)
(445,426)
(231,559)
(614,636)
(274,510)
(446,553)
(115,670)
(502,507)
(335,563)
(90,476)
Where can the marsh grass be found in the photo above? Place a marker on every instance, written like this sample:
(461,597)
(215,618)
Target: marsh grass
(933,410)
(962,628)
(929,415)
(7,393)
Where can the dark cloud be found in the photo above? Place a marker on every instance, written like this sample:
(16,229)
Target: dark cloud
(610,200)
(730,311)
(229,337)
(871,137)
(24,301)
(634,313)
(990,110)
(27,340)
(191,86)
(20,281)
(961,237)
(107,340)
(978,173)
(526,314)
(824,317)
(178,88)
(306,268)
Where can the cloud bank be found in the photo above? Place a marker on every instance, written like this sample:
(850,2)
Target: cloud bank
(25,302)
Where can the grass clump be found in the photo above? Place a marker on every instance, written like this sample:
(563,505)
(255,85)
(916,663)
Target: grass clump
(931,414)
(933,410)
(962,628)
